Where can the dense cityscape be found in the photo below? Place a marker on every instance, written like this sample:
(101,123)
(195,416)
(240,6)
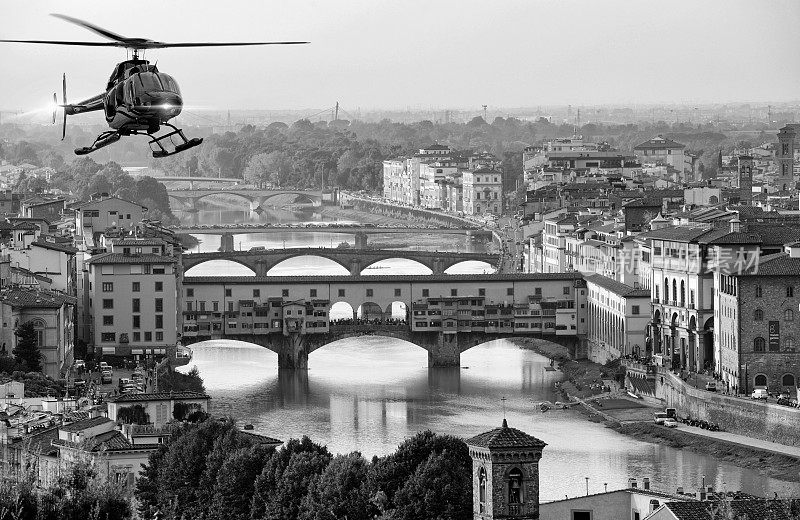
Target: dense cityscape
(553,311)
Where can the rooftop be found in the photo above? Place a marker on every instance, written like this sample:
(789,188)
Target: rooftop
(617,287)
(659,143)
(34,298)
(754,509)
(121,258)
(505,437)
(86,423)
(360,279)
(158,396)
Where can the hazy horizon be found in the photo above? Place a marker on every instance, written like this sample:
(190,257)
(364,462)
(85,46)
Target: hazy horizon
(446,55)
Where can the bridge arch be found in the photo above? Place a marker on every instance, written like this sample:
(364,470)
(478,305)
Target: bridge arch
(470,267)
(397,310)
(331,266)
(341,310)
(384,266)
(217,267)
(298,195)
(370,311)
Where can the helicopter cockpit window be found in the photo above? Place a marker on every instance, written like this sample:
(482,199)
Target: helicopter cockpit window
(149,81)
(170,85)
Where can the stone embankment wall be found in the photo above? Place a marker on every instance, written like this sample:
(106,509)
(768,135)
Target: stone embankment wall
(757,419)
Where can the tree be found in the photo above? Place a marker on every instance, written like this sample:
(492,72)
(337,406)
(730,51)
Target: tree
(234,487)
(285,479)
(133,415)
(27,350)
(341,491)
(439,489)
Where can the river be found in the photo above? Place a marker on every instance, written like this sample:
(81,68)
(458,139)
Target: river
(370,393)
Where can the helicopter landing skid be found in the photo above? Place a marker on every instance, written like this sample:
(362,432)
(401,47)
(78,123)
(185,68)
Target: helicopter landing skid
(104,139)
(185,144)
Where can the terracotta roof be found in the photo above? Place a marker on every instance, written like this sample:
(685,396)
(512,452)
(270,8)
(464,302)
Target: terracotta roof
(779,264)
(90,202)
(677,233)
(87,423)
(128,241)
(261,439)
(106,441)
(34,298)
(658,143)
(55,246)
(505,437)
(618,287)
(642,385)
(120,258)
(752,509)
(159,396)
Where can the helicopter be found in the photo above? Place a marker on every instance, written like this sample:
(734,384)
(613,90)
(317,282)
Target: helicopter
(138,99)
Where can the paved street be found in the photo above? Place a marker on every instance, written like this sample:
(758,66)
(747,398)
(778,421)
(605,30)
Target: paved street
(793,451)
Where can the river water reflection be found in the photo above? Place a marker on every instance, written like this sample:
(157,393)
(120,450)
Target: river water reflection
(370,393)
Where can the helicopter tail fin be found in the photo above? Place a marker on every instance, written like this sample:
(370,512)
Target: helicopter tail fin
(64,102)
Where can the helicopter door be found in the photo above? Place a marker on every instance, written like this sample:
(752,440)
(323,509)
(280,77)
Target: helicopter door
(110,106)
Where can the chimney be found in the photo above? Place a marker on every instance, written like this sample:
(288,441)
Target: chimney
(709,489)
(701,494)
(646,484)
(679,490)
(632,483)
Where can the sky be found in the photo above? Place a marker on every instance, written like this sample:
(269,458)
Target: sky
(373,54)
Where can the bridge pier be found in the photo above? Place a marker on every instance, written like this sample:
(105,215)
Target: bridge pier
(226,244)
(256,203)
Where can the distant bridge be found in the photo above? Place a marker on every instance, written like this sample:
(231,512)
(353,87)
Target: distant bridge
(354,260)
(188,199)
(192,180)
(236,229)
(444,314)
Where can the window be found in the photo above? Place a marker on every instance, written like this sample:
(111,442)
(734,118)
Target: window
(136,287)
(510,291)
(788,380)
(788,315)
(108,321)
(108,304)
(758,345)
(481,292)
(137,321)
(202,306)
(758,315)
(227,293)
(135,305)
(369,293)
(108,286)
(566,289)
(789,291)
(215,306)
(188,305)
(137,336)
(453,292)
(788,343)
(341,293)
(159,286)
(158,269)
(159,321)
(285,293)
(148,336)
(581,515)
(159,336)
(398,292)
(515,487)
(759,291)
(482,490)
(760,380)
(313,293)
(159,305)
(256,293)
(425,293)
(108,337)
(635,309)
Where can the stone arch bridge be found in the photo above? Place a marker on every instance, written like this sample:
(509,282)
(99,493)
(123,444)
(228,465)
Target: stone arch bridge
(256,198)
(354,260)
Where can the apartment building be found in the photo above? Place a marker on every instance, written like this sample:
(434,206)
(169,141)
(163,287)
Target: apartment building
(483,191)
(132,299)
(618,315)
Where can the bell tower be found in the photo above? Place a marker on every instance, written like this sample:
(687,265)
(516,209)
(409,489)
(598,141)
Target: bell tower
(745,176)
(784,158)
(505,474)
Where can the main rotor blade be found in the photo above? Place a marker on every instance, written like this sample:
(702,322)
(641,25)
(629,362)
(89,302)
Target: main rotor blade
(55,42)
(95,29)
(161,45)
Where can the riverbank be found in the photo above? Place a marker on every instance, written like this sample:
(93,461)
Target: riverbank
(634,419)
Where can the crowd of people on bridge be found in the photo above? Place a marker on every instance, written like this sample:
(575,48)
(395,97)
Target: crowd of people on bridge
(351,322)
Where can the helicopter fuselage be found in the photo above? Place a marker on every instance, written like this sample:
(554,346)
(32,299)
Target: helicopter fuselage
(138,98)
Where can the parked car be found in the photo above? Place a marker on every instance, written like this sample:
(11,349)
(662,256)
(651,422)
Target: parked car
(672,413)
(760,393)
(711,386)
(659,417)
(105,377)
(79,364)
(670,422)
(105,366)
